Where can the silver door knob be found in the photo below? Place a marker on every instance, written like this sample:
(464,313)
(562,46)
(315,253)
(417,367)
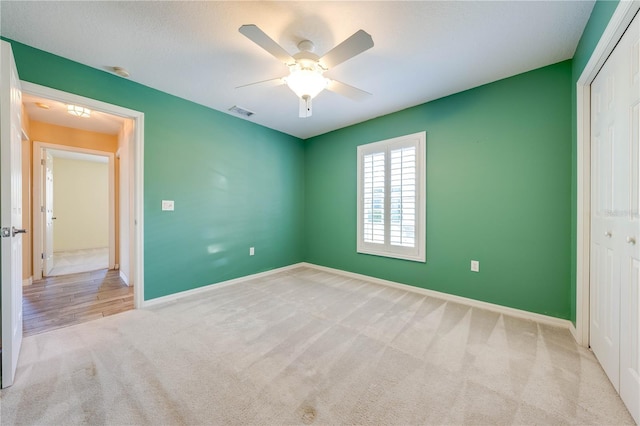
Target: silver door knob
(15,231)
(607,234)
(631,240)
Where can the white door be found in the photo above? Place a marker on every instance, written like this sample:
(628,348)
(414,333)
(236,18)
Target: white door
(630,227)
(605,232)
(10,212)
(48,213)
(615,219)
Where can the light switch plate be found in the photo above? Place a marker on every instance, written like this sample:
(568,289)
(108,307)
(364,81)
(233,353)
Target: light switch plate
(475,266)
(167,205)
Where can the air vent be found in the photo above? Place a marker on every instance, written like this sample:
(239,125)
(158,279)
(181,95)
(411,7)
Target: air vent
(241,111)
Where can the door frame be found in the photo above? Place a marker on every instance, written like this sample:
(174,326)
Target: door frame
(620,20)
(37,191)
(138,169)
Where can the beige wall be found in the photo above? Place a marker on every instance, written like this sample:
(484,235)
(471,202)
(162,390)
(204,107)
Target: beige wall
(45,132)
(80,204)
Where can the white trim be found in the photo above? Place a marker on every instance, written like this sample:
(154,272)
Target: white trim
(583,220)
(138,160)
(573,331)
(124,277)
(36,232)
(518,313)
(386,249)
(27,282)
(505,310)
(138,210)
(620,20)
(207,288)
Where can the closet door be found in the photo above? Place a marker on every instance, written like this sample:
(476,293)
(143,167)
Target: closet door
(615,218)
(630,226)
(607,130)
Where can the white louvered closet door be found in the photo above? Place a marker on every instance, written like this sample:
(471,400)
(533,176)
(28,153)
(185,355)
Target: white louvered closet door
(615,218)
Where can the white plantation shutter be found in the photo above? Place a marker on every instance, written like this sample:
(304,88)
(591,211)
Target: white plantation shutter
(373,202)
(403,197)
(391,197)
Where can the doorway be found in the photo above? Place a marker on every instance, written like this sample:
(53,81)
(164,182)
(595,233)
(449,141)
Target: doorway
(74,208)
(81,215)
(77,188)
(125,163)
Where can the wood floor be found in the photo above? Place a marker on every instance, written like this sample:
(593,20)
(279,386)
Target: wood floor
(57,302)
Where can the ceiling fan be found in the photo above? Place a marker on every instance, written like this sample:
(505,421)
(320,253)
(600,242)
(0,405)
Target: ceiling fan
(306,68)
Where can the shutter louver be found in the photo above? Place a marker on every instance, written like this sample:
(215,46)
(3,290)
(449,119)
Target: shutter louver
(403,197)
(373,201)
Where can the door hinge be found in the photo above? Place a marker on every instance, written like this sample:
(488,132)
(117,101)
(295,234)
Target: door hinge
(5,232)
(41,209)
(42,162)
(41,255)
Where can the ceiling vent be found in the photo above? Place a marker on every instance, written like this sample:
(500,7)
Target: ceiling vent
(241,111)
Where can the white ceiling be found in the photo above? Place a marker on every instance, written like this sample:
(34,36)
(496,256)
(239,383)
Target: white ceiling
(423,50)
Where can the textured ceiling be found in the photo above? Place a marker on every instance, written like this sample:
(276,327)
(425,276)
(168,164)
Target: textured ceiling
(423,50)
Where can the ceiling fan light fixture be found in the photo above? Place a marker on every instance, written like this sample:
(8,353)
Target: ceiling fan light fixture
(79,111)
(306,81)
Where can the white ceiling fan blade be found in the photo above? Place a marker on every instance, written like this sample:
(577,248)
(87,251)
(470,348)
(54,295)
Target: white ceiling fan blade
(272,82)
(258,36)
(347,91)
(354,45)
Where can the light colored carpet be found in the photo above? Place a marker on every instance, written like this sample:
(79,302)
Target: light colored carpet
(309,347)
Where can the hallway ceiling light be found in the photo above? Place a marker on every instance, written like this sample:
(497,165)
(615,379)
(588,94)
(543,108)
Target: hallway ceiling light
(78,111)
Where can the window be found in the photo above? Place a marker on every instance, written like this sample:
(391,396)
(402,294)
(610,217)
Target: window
(391,198)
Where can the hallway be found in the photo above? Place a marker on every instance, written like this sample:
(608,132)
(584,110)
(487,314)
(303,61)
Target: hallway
(57,302)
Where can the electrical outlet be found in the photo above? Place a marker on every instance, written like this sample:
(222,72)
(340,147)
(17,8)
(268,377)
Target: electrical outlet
(475,266)
(252,251)
(167,205)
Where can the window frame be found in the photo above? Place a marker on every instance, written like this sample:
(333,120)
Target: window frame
(417,253)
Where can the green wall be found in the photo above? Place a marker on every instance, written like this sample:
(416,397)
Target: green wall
(598,21)
(501,180)
(235,184)
(498,191)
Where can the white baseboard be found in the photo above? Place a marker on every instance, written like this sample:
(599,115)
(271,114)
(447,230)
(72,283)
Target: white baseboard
(518,313)
(574,332)
(27,281)
(177,296)
(124,277)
